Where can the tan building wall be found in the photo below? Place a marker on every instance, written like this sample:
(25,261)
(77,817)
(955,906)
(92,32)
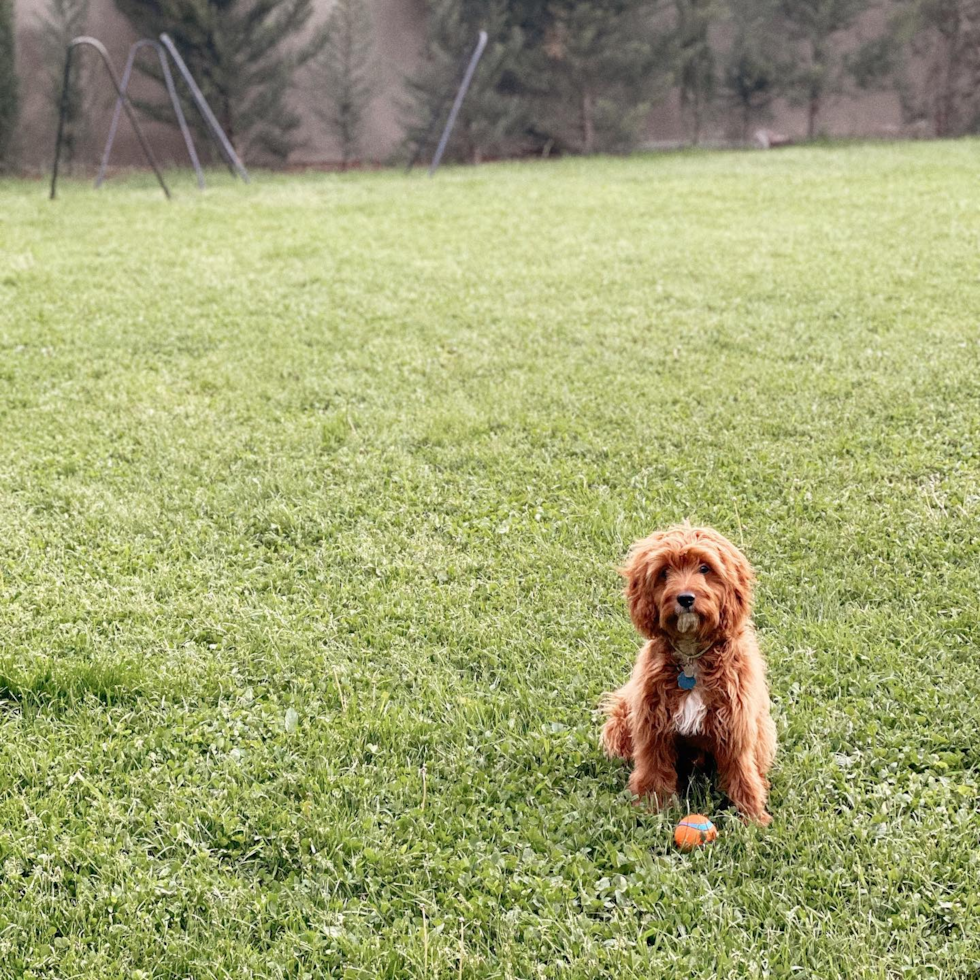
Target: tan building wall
(399,26)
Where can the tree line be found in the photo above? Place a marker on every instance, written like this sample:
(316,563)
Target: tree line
(582,75)
(563,76)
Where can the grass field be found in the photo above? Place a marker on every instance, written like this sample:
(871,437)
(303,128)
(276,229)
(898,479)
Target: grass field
(311,498)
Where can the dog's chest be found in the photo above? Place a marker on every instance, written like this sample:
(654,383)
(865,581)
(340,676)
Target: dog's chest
(689,718)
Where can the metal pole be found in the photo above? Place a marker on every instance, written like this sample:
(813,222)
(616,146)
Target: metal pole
(201,106)
(204,108)
(116,113)
(458,102)
(179,113)
(127,106)
(174,101)
(62,112)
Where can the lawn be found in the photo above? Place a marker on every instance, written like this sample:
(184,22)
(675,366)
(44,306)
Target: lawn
(312,494)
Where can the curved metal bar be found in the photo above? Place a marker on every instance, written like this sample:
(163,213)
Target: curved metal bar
(117,111)
(458,102)
(126,104)
(234,163)
(148,42)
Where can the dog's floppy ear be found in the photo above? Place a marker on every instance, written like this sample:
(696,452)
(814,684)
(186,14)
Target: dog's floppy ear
(640,571)
(739,578)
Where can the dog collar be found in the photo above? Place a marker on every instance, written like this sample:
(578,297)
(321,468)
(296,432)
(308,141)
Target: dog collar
(687,666)
(689,655)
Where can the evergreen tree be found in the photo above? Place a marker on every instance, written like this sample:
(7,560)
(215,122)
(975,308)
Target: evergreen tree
(492,115)
(943,36)
(533,17)
(816,27)
(61,21)
(9,98)
(752,72)
(245,55)
(342,75)
(696,69)
(597,72)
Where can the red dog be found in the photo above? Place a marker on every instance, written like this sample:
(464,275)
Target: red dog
(699,684)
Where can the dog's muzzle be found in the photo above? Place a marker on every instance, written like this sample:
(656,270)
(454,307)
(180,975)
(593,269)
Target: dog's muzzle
(687,622)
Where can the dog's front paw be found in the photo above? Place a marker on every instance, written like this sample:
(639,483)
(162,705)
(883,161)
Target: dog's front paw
(617,740)
(646,791)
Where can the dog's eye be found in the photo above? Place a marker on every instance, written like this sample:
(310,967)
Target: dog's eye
(704,569)
(663,574)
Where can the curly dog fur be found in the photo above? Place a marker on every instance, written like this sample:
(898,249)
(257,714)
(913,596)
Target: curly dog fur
(689,591)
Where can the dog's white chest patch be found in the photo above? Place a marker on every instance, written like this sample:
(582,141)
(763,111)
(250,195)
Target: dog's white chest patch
(690,719)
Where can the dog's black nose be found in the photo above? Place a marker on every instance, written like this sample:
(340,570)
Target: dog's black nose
(686,599)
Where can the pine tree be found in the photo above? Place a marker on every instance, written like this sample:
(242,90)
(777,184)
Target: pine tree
(491,116)
(943,38)
(816,26)
(342,75)
(9,97)
(245,55)
(597,72)
(61,21)
(696,68)
(752,73)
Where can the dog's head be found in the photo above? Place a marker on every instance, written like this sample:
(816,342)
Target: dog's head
(687,583)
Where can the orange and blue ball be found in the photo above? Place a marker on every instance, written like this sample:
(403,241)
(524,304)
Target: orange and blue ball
(695,830)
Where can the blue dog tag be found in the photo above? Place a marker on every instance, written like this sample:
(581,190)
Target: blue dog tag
(686,683)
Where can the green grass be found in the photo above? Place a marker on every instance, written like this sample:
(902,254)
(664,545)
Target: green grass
(311,498)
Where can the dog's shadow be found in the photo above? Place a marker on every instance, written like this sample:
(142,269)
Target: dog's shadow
(697,784)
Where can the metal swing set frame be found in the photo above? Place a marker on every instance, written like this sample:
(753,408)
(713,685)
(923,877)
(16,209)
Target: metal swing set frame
(165,50)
